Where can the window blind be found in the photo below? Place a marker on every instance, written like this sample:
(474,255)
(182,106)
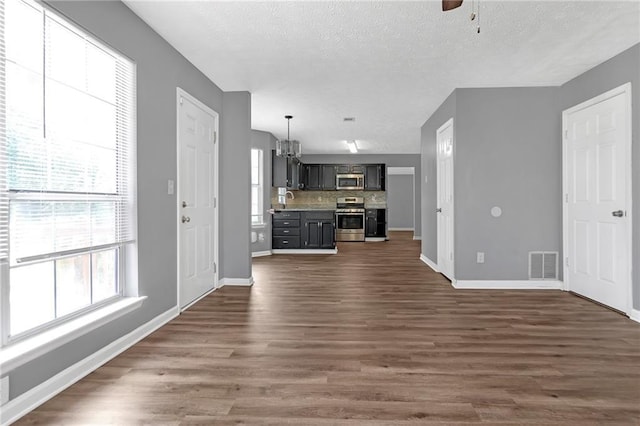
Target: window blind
(68,149)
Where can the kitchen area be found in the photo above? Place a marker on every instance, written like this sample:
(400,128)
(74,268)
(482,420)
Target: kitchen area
(314,206)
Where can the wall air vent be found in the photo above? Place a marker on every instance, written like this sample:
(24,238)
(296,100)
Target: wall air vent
(349,119)
(543,265)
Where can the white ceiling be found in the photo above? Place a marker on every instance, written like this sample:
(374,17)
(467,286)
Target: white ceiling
(389,64)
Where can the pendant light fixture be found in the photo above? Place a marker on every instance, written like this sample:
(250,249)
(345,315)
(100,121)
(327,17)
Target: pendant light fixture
(288,147)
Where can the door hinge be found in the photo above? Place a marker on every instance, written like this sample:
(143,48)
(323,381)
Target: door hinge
(566,198)
(215,268)
(215,202)
(566,261)
(566,133)
(181,100)
(215,137)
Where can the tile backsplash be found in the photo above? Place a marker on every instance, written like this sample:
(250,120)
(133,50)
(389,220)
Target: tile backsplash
(327,199)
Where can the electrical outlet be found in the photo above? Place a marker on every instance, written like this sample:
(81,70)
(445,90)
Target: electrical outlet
(170,187)
(480,257)
(4,390)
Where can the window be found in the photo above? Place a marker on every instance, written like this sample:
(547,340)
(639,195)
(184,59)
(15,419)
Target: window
(257,193)
(67,170)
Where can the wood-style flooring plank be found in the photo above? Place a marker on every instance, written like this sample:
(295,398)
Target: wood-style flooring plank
(368,336)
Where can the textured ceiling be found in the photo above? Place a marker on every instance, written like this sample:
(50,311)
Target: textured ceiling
(389,64)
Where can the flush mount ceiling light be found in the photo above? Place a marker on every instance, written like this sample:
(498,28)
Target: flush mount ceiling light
(353,147)
(288,148)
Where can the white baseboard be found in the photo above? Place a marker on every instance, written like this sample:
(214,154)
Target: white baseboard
(417,237)
(400,229)
(237,281)
(28,401)
(375,239)
(305,251)
(430,263)
(261,253)
(634,315)
(508,284)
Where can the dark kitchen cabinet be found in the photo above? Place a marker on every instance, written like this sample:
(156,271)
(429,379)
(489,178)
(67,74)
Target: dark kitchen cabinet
(319,177)
(328,177)
(313,177)
(279,170)
(286,230)
(350,168)
(374,177)
(318,231)
(286,172)
(375,223)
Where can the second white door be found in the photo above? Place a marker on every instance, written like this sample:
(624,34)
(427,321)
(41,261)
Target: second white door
(197,133)
(444,147)
(597,183)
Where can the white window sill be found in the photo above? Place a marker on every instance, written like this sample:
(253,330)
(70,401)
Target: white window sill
(20,353)
(258,225)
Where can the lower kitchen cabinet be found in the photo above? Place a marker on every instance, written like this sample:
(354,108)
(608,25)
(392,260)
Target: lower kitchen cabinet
(286,230)
(319,230)
(304,230)
(375,223)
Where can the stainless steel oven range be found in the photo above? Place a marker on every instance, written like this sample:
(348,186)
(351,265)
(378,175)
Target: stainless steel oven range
(350,219)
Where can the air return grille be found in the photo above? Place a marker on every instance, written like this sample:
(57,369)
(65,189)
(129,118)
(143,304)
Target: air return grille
(543,265)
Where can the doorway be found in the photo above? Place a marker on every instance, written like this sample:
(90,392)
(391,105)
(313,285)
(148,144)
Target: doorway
(401,198)
(197,210)
(444,189)
(597,198)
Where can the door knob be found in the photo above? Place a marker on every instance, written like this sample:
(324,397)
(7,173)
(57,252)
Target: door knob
(186,219)
(618,213)
(438,210)
(184,204)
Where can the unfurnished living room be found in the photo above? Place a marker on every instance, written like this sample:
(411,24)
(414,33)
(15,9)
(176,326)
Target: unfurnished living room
(319,212)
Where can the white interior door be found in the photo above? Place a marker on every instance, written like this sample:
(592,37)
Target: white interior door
(197,218)
(444,146)
(597,155)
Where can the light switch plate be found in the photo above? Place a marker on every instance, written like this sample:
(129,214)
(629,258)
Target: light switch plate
(170,187)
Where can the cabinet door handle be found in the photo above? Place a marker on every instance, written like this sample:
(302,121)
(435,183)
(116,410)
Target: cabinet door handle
(285,223)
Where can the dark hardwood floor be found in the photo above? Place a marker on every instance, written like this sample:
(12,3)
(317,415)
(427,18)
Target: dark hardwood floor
(368,336)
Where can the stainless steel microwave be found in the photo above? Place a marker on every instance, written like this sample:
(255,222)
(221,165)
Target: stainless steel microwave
(353,181)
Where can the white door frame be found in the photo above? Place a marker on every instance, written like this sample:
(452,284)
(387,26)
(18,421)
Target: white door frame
(447,123)
(184,94)
(624,89)
(406,171)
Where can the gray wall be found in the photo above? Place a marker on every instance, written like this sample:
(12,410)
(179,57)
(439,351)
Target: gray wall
(264,141)
(428,177)
(490,126)
(391,160)
(620,69)
(508,155)
(400,207)
(235,186)
(160,70)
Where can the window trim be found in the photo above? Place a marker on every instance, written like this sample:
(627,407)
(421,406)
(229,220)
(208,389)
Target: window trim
(260,186)
(30,348)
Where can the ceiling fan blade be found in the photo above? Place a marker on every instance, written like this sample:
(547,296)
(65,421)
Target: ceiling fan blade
(450,4)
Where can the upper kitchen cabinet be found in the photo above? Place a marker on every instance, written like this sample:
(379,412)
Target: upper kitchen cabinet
(319,177)
(286,172)
(374,177)
(350,168)
(328,177)
(312,177)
